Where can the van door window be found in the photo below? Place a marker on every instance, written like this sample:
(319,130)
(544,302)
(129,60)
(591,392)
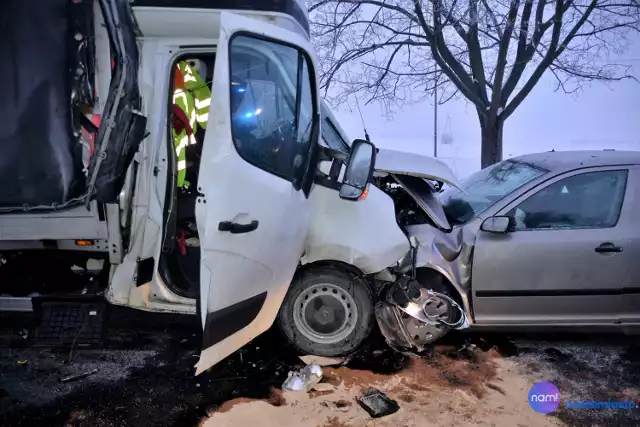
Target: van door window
(332,137)
(272,105)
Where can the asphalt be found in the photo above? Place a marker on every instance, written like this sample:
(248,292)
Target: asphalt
(143,374)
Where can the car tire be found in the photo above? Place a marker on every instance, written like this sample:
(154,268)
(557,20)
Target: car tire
(327,312)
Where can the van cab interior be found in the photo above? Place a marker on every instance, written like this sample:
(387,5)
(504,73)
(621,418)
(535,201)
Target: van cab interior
(190,98)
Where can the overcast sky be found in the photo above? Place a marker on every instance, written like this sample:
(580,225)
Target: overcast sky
(599,117)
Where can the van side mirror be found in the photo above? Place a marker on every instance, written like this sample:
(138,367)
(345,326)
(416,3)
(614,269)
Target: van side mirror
(359,170)
(496,224)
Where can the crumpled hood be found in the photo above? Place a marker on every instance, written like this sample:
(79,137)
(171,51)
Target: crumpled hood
(412,164)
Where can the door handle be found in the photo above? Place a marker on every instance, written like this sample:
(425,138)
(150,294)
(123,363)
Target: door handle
(235,228)
(608,248)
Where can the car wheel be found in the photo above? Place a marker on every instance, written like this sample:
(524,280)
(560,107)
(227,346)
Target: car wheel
(428,334)
(327,312)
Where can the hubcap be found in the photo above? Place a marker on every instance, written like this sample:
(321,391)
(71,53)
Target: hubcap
(325,313)
(435,307)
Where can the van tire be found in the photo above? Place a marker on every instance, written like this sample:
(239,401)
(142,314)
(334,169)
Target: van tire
(339,285)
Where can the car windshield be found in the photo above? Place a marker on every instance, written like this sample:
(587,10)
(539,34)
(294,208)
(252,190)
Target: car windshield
(485,188)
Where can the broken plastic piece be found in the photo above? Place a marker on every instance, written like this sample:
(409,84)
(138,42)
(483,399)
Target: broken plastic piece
(377,404)
(78,376)
(322,360)
(303,380)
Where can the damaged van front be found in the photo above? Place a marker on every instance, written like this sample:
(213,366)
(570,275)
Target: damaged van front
(362,265)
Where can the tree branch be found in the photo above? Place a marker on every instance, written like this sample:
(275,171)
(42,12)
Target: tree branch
(443,56)
(524,57)
(501,62)
(475,52)
(552,53)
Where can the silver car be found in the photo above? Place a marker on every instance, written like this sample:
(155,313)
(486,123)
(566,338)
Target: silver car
(548,239)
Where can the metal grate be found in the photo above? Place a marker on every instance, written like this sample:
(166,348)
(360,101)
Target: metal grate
(65,323)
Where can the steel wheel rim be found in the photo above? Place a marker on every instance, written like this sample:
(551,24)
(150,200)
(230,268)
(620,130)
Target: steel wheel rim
(325,313)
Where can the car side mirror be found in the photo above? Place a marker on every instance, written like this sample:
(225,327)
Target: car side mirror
(359,170)
(496,224)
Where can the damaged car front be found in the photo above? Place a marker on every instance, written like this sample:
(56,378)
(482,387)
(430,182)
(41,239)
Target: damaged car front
(423,303)
(443,225)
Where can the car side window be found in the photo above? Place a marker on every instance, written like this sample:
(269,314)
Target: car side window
(272,105)
(587,200)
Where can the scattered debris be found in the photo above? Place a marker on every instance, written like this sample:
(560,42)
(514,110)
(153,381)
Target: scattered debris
(470,352)
(277,397)
(496,388)
(323,387)
(322,361)
(334,422)
(407,398)
(553,354)
(314,394)
(377,404)
(303,380)
(342,405)
(78,376)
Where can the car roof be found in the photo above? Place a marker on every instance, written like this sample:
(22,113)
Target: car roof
(558,161)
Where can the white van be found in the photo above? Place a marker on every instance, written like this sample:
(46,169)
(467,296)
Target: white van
(90,204)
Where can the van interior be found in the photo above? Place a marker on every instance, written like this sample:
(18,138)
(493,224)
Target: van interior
(180,259)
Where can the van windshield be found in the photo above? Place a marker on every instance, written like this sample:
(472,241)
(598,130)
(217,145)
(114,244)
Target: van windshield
(485,188)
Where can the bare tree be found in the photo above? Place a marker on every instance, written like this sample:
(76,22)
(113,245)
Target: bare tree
(491,52)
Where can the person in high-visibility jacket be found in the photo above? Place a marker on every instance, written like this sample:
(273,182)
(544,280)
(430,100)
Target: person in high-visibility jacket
(193,96)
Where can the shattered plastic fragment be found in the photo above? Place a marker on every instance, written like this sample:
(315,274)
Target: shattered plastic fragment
(303,380)
(78,376)
(322,361)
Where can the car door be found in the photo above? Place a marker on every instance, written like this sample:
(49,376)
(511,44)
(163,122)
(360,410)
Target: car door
(631,283)
(257,161)
(563,261)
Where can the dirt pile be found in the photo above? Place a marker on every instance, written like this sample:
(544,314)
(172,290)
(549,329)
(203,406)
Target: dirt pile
(442,367)
(435,389)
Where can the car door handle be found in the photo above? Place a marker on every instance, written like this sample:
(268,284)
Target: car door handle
(235,228)
(608,248)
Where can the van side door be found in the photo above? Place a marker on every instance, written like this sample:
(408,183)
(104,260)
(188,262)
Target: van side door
(255,179)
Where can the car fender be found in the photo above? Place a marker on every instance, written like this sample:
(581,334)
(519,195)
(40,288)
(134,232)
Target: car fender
(450,254)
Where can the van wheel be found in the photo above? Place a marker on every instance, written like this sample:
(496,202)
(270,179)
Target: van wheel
(327,312)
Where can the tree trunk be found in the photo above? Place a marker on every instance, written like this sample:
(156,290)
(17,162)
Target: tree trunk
(491,151)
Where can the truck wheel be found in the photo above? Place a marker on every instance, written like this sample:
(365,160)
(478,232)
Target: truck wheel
(327,312)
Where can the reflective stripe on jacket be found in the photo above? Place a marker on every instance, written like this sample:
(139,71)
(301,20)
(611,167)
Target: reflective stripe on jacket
(200,91)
